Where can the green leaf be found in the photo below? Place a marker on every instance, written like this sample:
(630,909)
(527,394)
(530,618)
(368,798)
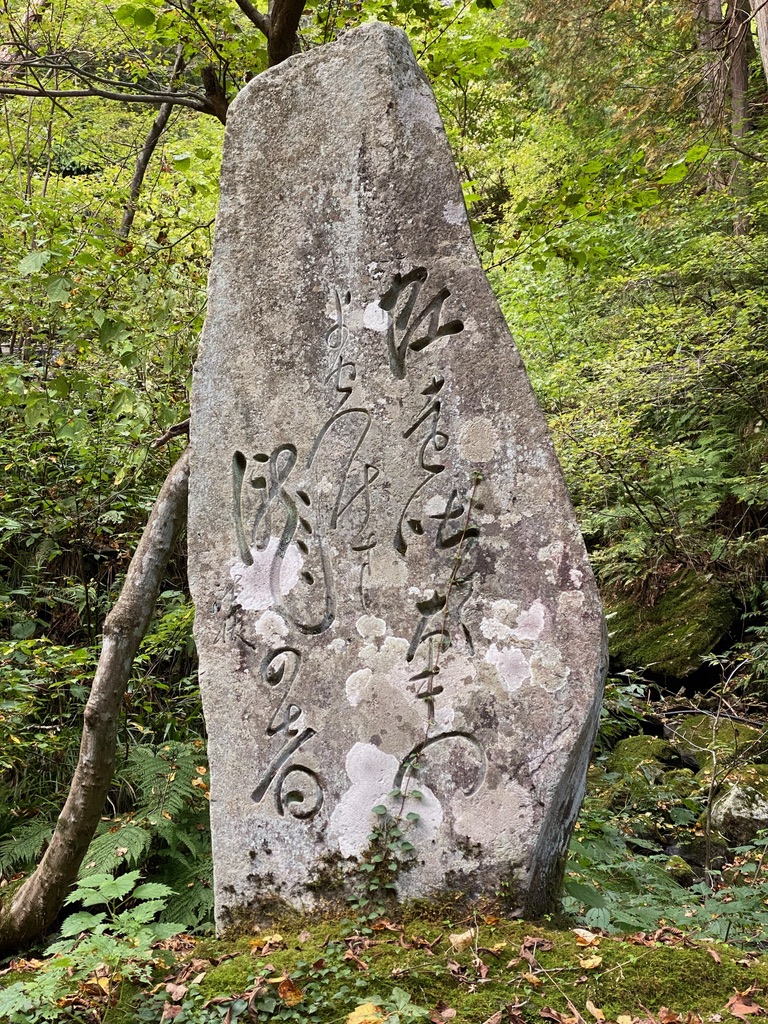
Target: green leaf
(81,922)
(586,894)
(379,809)
(143,17)
(152,891)
(57,288)
(674,174)
(182,160)
(112,332)
(696,153)
(34,262)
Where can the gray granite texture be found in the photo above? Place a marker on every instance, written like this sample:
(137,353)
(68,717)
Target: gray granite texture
(392,594)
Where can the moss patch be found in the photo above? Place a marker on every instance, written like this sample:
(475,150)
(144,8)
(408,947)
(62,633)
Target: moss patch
(337,966)
(672,636)
(700,735)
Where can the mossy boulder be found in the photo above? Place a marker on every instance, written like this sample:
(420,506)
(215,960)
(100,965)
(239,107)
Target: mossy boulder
(673,635)
(740,811)
(701,736)
(648,776)
(648,754)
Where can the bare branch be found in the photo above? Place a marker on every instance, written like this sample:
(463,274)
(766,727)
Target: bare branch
(175,98)
(261,21)
(175,431)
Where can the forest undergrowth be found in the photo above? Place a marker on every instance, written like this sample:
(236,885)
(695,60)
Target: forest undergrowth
(621,213)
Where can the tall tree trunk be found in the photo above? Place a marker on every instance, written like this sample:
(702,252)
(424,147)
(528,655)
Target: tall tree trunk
(711,43)
(145,154)
(34,907)
(739,44)
(760,17)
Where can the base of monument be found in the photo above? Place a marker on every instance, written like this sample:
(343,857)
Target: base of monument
(336,892)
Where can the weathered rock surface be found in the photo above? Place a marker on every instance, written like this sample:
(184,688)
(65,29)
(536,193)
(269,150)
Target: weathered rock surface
(392,593)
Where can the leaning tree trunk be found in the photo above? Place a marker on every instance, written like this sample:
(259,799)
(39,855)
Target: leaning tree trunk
(35,905)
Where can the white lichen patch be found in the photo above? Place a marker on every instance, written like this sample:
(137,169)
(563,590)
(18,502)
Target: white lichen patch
(371,773)
(548,669)
(500,624)
(454,212)
(375,318)
(511,665)
(478,440)
(552,556)
(369,627)
(531,622)
(499,822)
(253,587)
(270,627)
(359,686)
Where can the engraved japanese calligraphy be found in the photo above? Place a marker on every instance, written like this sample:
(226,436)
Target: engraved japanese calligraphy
(393,602)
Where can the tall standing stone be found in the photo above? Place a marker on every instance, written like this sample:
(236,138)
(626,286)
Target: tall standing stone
(392,593)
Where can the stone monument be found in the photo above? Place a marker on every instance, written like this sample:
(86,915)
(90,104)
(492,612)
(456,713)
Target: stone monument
(394,607)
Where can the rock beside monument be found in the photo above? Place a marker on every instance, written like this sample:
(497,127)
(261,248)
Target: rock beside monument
(394,608)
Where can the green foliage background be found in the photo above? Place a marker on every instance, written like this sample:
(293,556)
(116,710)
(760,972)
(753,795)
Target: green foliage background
(604,211)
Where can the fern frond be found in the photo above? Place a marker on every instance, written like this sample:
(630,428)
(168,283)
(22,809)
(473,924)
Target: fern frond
(192,882)
(22,848)
(116,847)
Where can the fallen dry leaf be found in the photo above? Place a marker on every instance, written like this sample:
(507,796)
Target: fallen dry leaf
(640,939)
(667,1016)
(741,1004)
(350,955)
(494,950)
(176,992)
(463,941)
(480,967)
(367,1013)
(305,936)
(442,1012)
(532,979)
(495,1018)
(623,1018)
(596,1012)
(416,942)
(537,945)
(714,954)
(589,963)
(289,992)
(584,937)
(385,925)
(549,1014)
(170,1011)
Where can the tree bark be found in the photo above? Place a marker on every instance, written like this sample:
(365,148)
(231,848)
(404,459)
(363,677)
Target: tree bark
(760,16)
(34,907)
(738,61)
(711,42)
(284,21)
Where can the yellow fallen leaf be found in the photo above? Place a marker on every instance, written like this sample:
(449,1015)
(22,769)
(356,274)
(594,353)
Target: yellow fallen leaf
(289,992)
(623,1018)
(463,941)
(584,937)
(367,1013)
(596,1012)
(589,963)
(532,979)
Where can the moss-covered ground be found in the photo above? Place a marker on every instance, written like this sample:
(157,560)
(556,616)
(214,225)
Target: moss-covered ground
(478,965)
